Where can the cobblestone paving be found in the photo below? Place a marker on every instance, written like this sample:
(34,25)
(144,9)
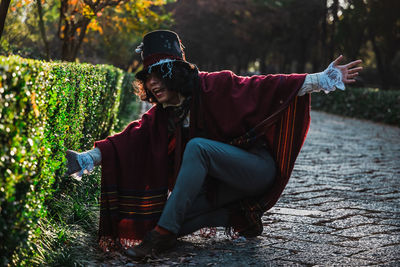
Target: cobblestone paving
(341,206)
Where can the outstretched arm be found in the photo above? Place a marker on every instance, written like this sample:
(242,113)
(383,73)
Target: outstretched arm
(335,76)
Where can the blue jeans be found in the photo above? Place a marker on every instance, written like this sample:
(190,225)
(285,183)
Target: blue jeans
(240,174)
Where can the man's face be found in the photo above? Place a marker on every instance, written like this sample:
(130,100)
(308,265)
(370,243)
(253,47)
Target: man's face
(158,88)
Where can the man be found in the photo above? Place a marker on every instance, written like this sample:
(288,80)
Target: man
(222,145)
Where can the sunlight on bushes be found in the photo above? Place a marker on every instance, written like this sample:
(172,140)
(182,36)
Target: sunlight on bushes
(47,108)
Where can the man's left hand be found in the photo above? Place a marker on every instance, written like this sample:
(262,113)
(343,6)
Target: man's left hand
(349,71)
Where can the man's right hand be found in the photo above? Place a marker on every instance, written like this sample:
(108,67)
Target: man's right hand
(72,162)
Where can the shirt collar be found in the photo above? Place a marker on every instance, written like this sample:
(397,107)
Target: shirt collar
(181,99)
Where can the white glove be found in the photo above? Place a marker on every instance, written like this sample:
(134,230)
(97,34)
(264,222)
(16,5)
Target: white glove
(327,81)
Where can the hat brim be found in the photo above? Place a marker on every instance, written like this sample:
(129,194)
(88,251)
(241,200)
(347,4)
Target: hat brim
(142,74)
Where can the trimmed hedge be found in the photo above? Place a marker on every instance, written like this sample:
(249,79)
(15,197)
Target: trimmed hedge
(364,103)
(129,106)
(46,108)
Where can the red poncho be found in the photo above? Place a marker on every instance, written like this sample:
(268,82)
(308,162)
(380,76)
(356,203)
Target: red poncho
(134,182)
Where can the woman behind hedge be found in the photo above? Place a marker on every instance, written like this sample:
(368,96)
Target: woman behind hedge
(218,146)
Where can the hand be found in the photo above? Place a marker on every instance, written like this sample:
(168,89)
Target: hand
(349,71)
(72,162)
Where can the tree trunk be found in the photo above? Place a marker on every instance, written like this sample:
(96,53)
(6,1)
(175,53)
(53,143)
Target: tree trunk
(238,67)
(80,39)
(67,42)
(67,32)
(383,72)
(316,58)
(324,36)
(42,29)
(263,64)
(3,13)
(302,61)
(304,51)
(335,9)
(71,41)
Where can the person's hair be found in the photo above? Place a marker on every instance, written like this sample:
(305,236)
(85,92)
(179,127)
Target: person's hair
(184,79)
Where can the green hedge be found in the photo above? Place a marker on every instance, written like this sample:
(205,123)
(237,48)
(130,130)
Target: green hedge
(46,108)
(129,106)
(364,103)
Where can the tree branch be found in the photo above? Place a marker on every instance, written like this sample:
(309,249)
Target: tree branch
(3,13)
(42,29)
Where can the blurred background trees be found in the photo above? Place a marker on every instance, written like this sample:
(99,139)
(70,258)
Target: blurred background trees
(95,31)
(267,36)
(247,36)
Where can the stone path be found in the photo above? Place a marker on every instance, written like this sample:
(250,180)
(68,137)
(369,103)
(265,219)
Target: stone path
(341,207)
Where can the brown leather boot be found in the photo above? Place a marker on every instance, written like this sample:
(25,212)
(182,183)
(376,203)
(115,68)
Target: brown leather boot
(152,244)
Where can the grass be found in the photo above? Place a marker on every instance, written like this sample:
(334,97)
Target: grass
(68,235)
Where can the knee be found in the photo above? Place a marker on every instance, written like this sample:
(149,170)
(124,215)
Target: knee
(196,144)
(197,147)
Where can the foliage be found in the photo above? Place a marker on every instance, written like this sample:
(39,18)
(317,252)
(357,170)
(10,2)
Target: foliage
(45,109)
(121,31)
(365,103)
(246,31)
(270,36)
(129,106)
(69,234)
(373,28)
(265,36)
(20,34)
(89,30)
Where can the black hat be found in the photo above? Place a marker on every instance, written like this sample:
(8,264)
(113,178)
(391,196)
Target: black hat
(159,47)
